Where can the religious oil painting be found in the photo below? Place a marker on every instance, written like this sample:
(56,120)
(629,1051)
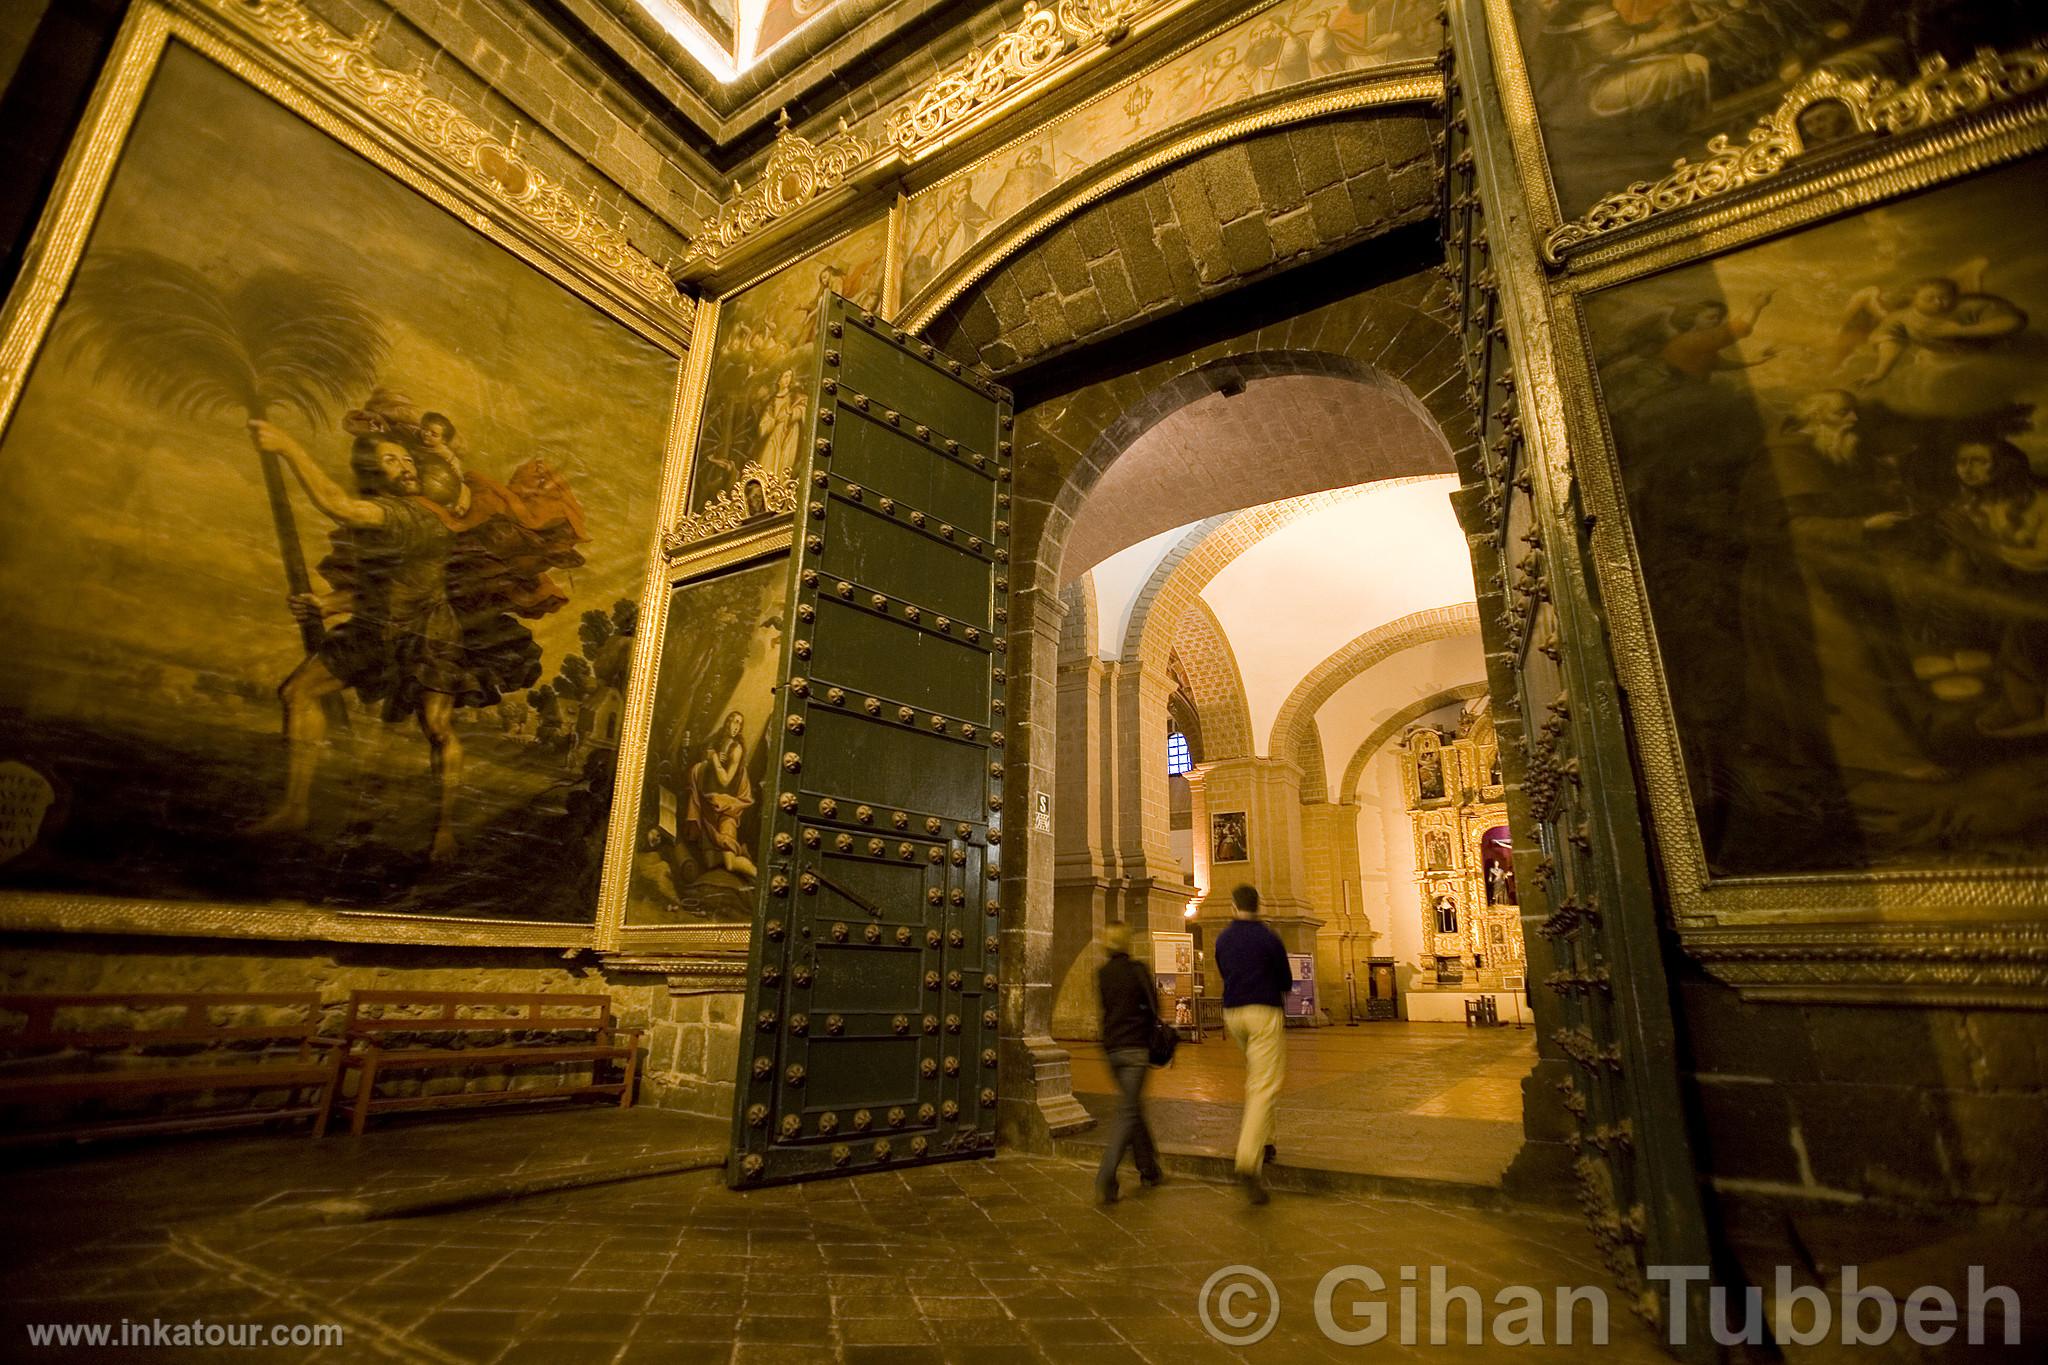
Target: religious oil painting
(707,755)
(323,524)
(1429,772)
(1625,87)
(1835,459)
(1227,838)
(1282,45)
(757,401)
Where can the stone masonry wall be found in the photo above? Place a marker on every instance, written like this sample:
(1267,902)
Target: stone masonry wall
(1241,212)
(1835,1103)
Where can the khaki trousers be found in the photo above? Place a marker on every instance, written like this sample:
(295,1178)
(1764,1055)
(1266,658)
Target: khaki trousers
(1260,1031)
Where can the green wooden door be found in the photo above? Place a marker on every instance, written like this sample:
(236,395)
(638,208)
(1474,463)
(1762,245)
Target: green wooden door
(870,1031)
(1552,679)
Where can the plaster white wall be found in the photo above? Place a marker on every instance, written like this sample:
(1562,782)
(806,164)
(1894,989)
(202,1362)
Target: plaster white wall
(1183,841)
(1360,706)
(1118,581)
(1295,598)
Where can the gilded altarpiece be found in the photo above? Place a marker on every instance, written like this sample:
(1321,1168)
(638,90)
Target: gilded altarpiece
(1471,926)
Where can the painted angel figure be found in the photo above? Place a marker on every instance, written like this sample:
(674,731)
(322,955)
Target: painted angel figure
(781,427)
(1362,32)
(1681,348)
(1940,347)
(1023,184)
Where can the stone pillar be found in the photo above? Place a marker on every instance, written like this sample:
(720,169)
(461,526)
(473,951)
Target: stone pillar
(1330,853)
(1151,893)
(1036,1086)
(1083,821)
(1268,792)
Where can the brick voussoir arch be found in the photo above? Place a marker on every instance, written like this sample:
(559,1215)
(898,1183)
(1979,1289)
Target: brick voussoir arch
(1233,373)
(1078,627)
(1354,771)
(1176,584)
(1215,682)
(1363,137)
(1380,643)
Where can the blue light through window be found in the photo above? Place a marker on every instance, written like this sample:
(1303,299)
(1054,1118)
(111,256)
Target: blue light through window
(1177,758)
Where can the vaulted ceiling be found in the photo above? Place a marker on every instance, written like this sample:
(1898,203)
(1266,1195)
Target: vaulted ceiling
(725,68)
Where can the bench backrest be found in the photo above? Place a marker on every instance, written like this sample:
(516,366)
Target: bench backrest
(376,1012)
(92,1020)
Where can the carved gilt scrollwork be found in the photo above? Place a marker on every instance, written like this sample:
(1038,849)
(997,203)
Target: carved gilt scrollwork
(1038,40)
(402,101)
(797,172)
(1871,105)
(729,510)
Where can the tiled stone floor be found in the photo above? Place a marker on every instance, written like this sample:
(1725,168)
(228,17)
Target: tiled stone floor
(1424,1101)
(987,1262)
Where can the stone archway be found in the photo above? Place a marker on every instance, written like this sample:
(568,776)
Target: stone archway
(1049,528)
(1387,343)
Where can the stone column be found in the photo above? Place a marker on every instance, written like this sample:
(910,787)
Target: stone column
(1330,853)
(1268,792)
(1083,816)
(1036,1086)
(1151,895)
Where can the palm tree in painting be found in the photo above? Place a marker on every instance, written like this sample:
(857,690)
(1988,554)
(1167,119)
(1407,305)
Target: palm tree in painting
(280,340)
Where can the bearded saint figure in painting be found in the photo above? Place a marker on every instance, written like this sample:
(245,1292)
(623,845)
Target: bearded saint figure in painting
(431,564)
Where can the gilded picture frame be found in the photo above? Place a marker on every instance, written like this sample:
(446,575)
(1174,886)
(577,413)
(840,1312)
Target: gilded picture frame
(1836,114)
(1866,934)
(394,125)
(748,406)
(764,554)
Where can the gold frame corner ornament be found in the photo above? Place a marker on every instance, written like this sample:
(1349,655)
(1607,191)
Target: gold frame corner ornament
(1877,106)
(404,104)
(728,512)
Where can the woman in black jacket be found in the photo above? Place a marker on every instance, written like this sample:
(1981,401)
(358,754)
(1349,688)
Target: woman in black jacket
(1130,1010)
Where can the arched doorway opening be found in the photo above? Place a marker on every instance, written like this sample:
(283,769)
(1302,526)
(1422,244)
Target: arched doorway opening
(1260,553)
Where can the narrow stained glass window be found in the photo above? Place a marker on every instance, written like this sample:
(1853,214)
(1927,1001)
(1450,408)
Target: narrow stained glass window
(1177,759)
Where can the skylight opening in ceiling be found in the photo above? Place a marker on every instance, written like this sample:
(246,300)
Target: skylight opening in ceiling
(729,37)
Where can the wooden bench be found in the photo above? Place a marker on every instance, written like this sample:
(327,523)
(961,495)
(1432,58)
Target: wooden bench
(391,1031)
(190,1044)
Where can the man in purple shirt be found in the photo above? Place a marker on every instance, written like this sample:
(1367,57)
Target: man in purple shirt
(1256,979)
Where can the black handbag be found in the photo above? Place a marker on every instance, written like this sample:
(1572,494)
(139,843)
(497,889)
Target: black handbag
(1165,1038)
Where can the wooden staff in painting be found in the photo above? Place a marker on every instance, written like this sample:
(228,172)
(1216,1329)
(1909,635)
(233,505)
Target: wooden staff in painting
(280,340)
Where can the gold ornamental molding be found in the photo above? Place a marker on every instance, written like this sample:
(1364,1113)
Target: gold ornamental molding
(1018,56)
(797,173)
(402,101)
(729,510)
(1979,966)
(715,962)
(1853,109)
(1416,82)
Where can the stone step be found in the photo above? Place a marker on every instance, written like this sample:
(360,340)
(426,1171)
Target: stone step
(1222,1170)
(443,1196)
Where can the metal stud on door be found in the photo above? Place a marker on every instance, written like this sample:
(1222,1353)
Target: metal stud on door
(878,914)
